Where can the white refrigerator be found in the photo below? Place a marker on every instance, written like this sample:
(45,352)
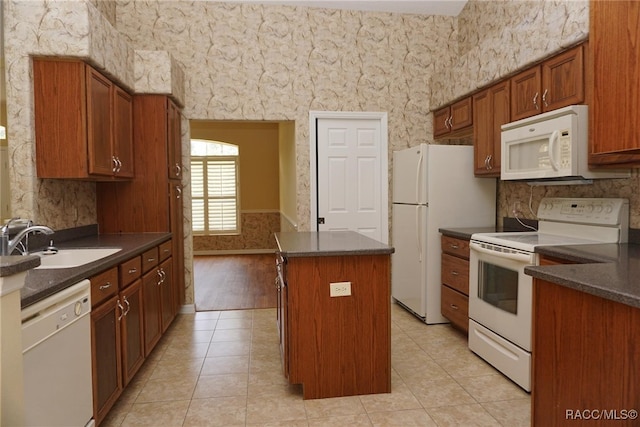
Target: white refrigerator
(433,187)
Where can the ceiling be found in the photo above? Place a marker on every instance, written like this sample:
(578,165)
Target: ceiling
(422,7)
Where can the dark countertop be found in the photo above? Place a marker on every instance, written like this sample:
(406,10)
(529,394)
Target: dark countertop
(328,243)
(42,283)
(610,271)
(465,233)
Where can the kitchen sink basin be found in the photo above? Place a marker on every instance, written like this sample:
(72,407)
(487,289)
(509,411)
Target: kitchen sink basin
(68,258)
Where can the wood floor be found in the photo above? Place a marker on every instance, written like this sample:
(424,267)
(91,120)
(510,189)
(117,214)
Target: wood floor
(232,282)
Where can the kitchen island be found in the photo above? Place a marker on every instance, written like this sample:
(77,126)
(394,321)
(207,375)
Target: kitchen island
(334,319)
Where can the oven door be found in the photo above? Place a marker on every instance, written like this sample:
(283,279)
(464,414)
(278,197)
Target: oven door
(500,294)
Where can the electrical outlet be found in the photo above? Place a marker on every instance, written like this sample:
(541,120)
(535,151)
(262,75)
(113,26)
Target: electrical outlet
(340,289)
(517,208)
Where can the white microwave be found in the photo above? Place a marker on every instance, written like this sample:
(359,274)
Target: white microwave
(550,146)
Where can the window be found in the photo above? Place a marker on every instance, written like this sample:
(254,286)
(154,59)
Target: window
(214,187)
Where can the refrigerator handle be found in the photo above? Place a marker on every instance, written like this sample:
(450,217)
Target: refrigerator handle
(418,170)
(418,233)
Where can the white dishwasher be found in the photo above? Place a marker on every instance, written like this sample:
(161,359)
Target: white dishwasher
(56,349)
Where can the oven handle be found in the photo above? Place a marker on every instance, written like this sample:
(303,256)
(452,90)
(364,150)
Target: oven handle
(513,256)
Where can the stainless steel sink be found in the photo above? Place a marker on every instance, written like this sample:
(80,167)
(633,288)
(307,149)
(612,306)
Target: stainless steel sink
(68,258)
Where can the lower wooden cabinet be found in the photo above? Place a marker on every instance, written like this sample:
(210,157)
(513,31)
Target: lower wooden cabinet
(159,308)
(106,357)
(585,356)
(132,331)
(454,273)
(130,312)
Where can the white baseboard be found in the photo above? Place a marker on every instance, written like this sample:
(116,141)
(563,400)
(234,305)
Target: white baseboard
(188,309)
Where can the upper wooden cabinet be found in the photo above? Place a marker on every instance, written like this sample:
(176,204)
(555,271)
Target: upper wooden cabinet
(557,82)
(454,120)
(614,111)
(83,123)
(490,112)
(152,201)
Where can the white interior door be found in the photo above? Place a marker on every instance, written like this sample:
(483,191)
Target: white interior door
(352,174)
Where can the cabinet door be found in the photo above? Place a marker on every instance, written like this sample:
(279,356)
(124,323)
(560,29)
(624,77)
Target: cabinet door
(99,123)
(177,231)
(151,310)
(174,143)
(59,104)
(167,306)
(441,122)
(482,132)
(283,306)
(563,80)
(501,114)
(132,331)
(105,350)
(614,110)
(123,133)
(461,114)
(490,111)
(525,94)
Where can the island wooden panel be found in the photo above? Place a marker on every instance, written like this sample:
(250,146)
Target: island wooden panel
(586,351)
(339,346)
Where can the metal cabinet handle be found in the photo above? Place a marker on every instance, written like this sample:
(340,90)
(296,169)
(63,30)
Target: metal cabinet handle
(535,101)
(455,273)
(105,286)
(133,270)
(179,192)
(544,98)
(454,246)
(489,158)
(114,169)
(121,310)
(455,307)
(151,260)
(178,170)
(126,301)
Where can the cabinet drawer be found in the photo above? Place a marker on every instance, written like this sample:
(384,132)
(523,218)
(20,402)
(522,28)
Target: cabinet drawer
(103,286)
(455,307)
(149,259)
(165,250)
(454,246)
(455,273)
(130,271)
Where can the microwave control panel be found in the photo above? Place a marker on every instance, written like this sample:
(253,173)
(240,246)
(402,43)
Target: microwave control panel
(564,143)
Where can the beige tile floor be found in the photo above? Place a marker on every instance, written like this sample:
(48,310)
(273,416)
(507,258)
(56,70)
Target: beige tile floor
(223,369)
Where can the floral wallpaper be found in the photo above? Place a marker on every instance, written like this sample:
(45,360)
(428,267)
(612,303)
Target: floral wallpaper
(253,62)
(257,233)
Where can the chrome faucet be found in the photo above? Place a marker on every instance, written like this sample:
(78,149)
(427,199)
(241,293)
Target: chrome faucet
(7,246)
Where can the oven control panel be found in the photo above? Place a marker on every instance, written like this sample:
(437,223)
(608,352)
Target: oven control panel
(600,211)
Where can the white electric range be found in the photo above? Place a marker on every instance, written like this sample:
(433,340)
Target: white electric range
(500,294)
